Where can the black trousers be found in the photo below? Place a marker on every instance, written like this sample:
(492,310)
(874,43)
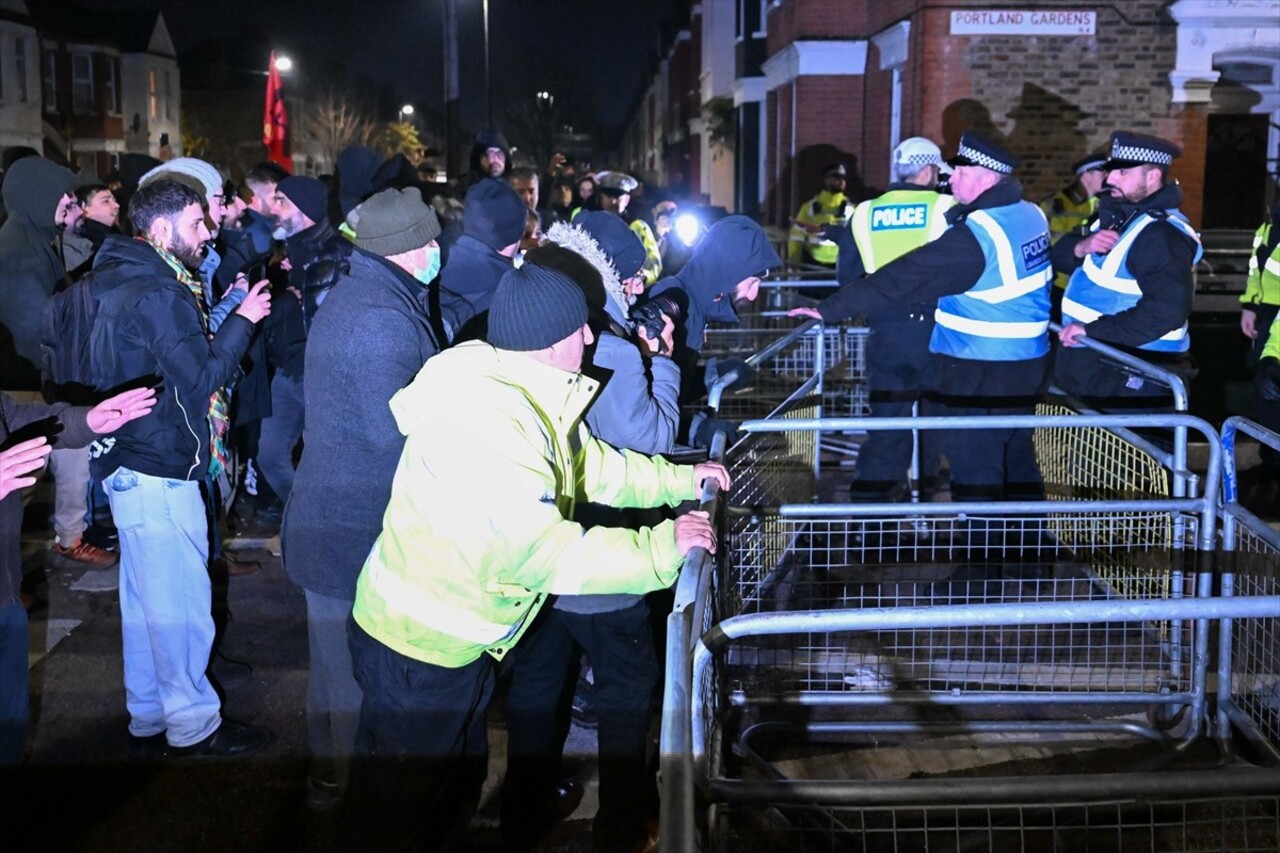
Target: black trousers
(421,749)
(1268,411)
(991,464)
(619,645)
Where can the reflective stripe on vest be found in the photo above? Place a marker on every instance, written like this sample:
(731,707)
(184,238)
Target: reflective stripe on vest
(886,228)
(1004,316)
(1104,285)
(403,599)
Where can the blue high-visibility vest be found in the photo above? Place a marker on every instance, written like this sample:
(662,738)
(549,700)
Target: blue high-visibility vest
(1004,316)
(1104,285)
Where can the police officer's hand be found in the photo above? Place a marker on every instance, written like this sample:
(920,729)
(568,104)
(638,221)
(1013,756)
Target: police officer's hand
(257,304)
(1248,323)
(1268,379)
(805,312)
(24,458)
(1072,333)
(712,471)
(1098,243)
(694,530)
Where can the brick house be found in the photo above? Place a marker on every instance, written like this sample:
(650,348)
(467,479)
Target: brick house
(821,81)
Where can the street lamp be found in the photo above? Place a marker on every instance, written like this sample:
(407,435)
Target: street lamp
(548,97)
(406,110)
(284,64)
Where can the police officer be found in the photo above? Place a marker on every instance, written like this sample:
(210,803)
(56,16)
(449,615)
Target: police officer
(989,273)
(1071,210)
(1258,311)
(809,241)
(906,216)
(1131,280)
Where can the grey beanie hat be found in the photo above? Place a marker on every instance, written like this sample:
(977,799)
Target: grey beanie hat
(534,307)
(393,222)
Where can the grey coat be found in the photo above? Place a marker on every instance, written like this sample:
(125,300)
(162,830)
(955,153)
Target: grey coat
(368,340)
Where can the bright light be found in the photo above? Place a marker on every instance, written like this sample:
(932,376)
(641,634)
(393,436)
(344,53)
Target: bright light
(284,63)
(688,228)
(407,109)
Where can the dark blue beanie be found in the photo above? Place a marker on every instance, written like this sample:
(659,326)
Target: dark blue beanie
(616,240)
(494,214)
(307,194)
(534,307)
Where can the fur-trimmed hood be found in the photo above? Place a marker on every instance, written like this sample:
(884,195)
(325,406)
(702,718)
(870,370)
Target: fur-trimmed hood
(579,242)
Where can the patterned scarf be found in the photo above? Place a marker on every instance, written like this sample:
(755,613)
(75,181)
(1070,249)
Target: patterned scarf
(219,410)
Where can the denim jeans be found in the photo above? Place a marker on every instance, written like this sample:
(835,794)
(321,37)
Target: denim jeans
(13,683)
(333,697)
(165,601)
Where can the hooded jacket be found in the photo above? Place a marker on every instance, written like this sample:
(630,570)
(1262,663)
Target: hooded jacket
(148,329)
(638,405)
(478,530)
(30,264)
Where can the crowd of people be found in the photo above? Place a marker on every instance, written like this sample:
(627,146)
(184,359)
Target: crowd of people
(451,418)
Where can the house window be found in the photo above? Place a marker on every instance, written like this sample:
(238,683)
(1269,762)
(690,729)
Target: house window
(168,96)
(109,83)
(50,81)
(82,83)
(153,95)
(20,68)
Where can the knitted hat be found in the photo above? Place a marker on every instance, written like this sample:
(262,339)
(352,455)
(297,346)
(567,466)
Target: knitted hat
(309,195)
(494,214)
(393,222)
(203,172)
(534,307)
(615,238)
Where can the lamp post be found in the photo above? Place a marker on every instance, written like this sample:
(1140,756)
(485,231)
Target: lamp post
(284,64)
(406,110)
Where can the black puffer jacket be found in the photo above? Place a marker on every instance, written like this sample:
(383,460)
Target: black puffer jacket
(148,329)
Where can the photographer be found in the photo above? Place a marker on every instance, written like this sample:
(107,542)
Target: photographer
(636,410)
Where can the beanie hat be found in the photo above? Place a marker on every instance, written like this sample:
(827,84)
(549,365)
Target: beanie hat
(207,176)
(615,238)
(309,195)
(534,307)
(494,214)
(393,222)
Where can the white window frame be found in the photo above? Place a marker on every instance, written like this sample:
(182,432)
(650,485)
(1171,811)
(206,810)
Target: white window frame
(77,82)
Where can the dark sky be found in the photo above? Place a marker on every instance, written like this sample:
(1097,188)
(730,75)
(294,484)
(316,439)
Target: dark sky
(599,50)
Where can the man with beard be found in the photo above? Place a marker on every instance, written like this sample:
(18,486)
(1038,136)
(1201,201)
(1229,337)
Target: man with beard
(152,325)
(1131,279)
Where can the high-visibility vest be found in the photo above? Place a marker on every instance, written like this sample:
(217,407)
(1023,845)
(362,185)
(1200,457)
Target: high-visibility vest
(1067,216)
(826,208)
(1004,316)
(887,227)
(1263,284)
(1104,285)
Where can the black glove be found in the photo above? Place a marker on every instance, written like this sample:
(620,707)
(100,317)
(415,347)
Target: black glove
(1267,378)
(718,367)
(703,428)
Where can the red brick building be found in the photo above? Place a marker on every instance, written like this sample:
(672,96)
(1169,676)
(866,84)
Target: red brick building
(845,80)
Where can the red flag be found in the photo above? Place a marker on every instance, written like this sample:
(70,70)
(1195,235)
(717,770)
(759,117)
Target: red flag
(275,120)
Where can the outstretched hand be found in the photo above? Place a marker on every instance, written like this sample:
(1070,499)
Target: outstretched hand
(23,458)
(114,412)
(805,312)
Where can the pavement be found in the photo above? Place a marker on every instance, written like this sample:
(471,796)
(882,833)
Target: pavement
(77,791)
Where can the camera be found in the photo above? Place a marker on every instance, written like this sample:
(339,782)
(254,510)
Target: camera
(650,313)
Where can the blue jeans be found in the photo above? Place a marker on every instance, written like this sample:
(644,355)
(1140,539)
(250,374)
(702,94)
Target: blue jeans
(280,434)
(165,601)
(13,683)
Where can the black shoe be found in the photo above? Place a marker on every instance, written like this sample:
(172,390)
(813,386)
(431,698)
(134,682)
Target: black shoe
(231,740)
(323,794)
(565,800)
(150,748)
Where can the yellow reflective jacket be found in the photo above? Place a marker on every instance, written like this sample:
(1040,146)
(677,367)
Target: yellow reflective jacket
(826,208)
(1263,284)
(478,533)
(1067,214)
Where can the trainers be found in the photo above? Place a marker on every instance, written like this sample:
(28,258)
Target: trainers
(231,740)
(82,555)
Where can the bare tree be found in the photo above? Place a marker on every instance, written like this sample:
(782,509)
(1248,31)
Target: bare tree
(332,120)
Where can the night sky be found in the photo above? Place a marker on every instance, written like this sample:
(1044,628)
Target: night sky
(595,52)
